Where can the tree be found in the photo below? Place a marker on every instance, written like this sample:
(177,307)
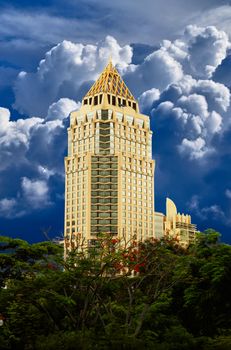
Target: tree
(150,295)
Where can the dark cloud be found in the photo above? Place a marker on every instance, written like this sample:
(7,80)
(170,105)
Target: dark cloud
(223,72)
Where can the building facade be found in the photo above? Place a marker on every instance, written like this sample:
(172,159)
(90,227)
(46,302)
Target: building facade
(159,219)
(109,171)
(178,225)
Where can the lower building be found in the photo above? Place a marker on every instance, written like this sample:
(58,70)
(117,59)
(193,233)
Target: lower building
(174,225)
(159,225)
(178,225)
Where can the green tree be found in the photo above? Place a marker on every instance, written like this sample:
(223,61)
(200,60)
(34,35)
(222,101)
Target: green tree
(150,295)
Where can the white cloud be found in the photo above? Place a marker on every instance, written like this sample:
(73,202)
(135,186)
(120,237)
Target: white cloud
(4,119)
(219,16)
(228,193)
(9,208)
(14,138)
(195,148)
(147,98)
(31,151)
(198,108)
(61,109)
(158,70)
(35,192)
(64,72)
(200,50)
(31,195)
(207,47)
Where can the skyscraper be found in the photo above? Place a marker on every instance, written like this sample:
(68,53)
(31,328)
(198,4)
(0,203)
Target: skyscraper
(109,171)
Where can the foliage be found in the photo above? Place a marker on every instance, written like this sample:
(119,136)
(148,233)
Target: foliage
(150,295)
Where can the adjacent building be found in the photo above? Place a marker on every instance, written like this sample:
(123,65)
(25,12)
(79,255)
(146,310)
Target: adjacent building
(178,225)
(174,225)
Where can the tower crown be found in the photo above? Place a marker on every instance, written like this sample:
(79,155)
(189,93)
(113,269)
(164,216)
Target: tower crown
(111,84)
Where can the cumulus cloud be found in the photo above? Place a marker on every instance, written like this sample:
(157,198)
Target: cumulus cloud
(196,106)
(228,193)
(198,53)
(158,70)
(195,148)
(207,47)
(61,109)
(175,80)
(147,98)
(66,71)
(31,152)
(35,192)
(14,138)
(200,50)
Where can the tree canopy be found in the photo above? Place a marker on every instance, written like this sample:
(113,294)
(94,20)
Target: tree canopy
(150,295)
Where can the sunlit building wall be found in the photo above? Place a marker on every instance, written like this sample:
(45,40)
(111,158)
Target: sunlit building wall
(178,226)
(109,171)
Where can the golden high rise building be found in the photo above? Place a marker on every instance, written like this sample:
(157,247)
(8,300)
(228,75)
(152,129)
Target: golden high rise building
(109,170)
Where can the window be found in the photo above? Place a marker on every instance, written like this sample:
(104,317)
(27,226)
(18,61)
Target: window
(95,100)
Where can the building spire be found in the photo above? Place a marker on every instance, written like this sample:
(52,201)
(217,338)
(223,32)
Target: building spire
(110,82)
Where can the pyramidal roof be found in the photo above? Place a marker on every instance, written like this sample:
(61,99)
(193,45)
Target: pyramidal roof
(110,81)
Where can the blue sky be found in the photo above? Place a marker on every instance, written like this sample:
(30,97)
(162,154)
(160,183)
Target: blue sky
(174,55)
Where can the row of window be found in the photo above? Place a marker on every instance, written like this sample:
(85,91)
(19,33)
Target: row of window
(111,100)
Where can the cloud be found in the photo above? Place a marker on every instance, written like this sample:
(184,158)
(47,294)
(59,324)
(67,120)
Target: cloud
(158,70)
(32,194)
(31,159)
(228,193)
(206,47)
(35,192)
(88,20)
(66,71)
(212,212)
(200,50)
(9,208)
(195,148)
(147,98)
(35,26)
(35,141)
(197,108)
(14,138)
(44,172)
(61,109)
(218,16)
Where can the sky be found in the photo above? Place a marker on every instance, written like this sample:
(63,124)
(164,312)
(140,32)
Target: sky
(174,55)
